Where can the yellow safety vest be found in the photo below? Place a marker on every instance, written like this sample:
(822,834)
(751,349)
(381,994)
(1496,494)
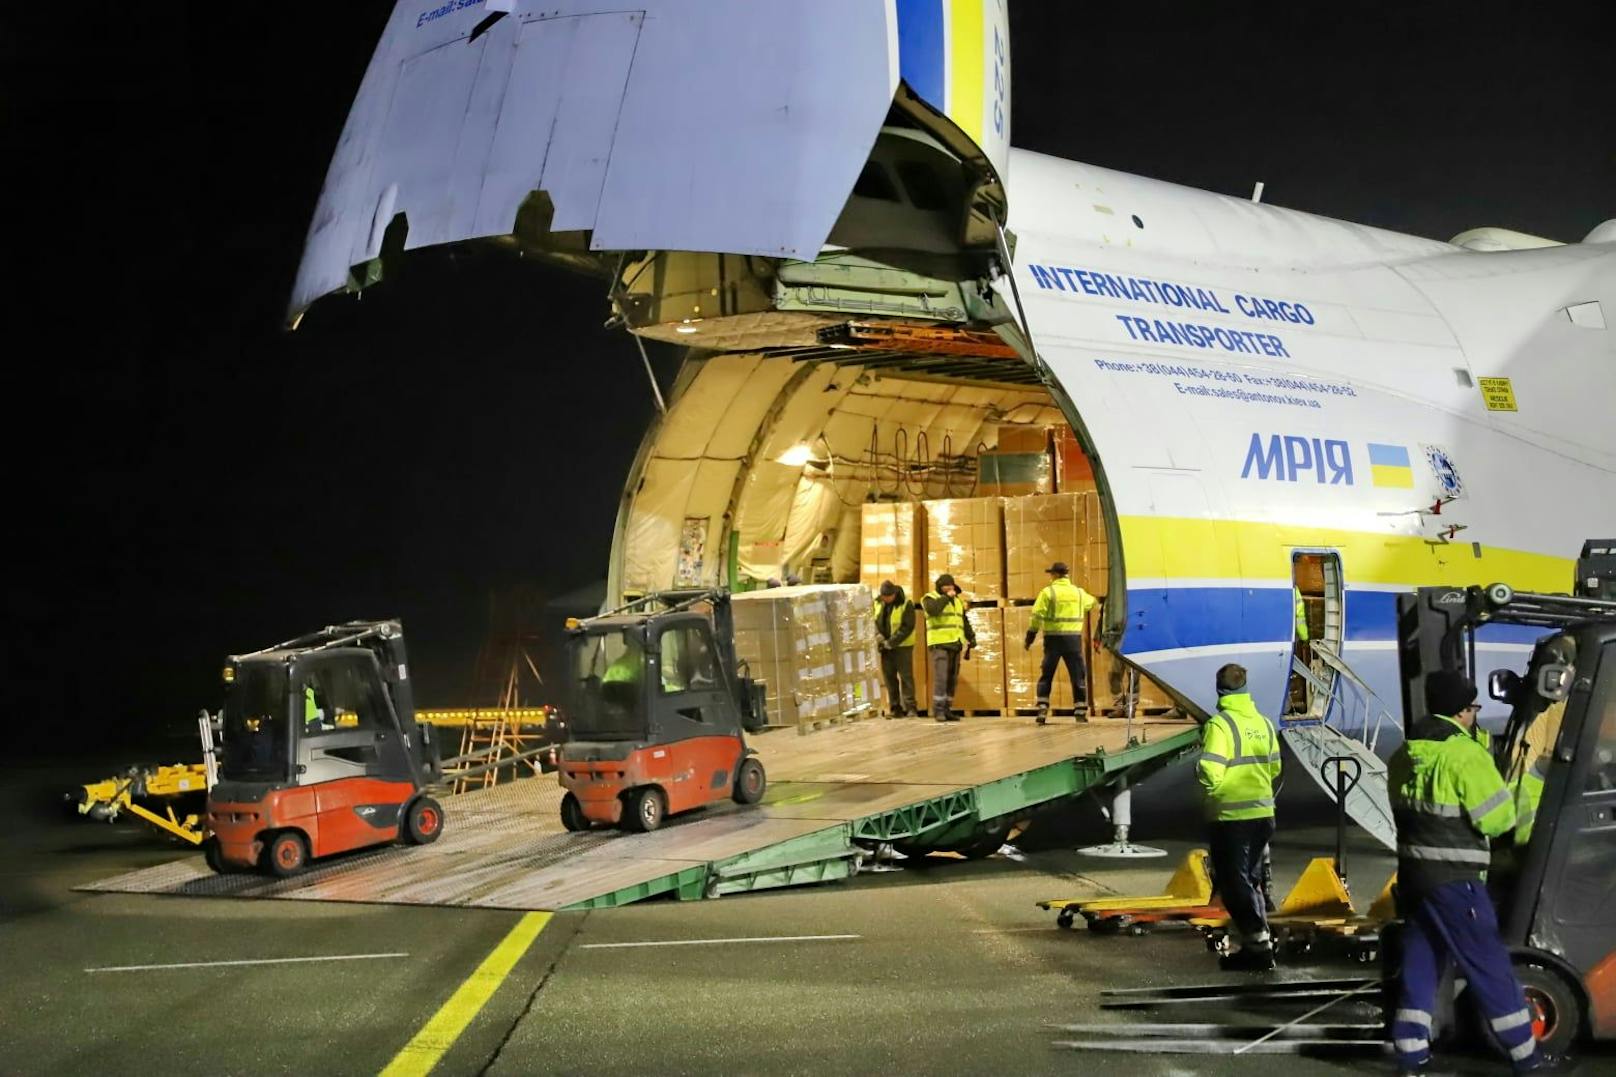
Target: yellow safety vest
(1301,615)
(908,638)
(1240,760)
(1061,608)
(948,626)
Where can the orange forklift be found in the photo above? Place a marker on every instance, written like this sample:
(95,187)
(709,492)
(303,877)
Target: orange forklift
(660,706)
(322,753)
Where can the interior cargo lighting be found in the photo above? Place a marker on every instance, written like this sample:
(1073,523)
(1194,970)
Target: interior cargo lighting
(686,326)
(797,455)
(229,674)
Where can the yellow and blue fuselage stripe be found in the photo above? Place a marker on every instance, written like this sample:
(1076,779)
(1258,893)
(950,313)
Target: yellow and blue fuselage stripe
(941,55)
(1210,583)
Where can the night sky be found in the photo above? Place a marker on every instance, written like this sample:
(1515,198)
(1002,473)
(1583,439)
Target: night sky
(189,480)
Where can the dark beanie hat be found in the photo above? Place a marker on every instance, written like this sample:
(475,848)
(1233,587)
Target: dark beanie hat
(1231,679)
(1448,692)
(945,580)
(888,587)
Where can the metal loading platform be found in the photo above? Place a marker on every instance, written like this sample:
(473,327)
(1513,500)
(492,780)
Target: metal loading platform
(832,795)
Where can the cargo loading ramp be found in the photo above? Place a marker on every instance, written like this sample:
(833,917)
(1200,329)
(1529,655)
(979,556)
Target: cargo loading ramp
(833,794)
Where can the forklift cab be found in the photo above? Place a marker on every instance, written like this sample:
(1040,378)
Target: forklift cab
(321,752)
(656,717)
(1554,878)
(640,682)
(1557,889)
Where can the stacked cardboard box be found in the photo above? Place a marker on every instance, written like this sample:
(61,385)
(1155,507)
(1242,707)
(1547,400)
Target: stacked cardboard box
(1072,466)
(1037,532)
(892,546)
(965,538)
(1022,665)
(981,680)
(1022,437)
(813,647)
(858,663)
(1059,527)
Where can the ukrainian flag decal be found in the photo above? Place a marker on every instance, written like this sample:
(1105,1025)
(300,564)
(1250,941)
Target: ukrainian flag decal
(1388,466)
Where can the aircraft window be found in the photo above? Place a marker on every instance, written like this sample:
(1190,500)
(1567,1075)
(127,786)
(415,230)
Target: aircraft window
(874,182)
(925,190)
(1137,223)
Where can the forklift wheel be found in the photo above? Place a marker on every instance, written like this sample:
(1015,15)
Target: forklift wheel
(423,822)
(750,781)
(286,854)
(211,856)
(572,814)
(644,809)
(1555,1008)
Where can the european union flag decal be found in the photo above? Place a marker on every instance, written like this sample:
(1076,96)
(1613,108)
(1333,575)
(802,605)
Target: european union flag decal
(1388,466)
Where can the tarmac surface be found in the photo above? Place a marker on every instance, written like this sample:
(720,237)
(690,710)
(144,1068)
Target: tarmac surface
(937,969)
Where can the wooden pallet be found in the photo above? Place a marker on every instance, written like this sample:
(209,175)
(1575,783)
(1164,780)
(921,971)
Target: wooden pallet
(809,726)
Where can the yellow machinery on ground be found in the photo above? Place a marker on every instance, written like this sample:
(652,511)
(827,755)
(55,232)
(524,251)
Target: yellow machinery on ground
(161,786)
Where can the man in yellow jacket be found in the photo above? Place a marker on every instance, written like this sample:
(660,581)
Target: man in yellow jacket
(1060,612)
(1238,769)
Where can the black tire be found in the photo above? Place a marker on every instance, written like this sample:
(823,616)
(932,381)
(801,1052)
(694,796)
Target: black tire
(989,838)
(1556,1010)
(285,854)
(1106,925)
(1065,918)
(644,809)
(572,814)
(423,821)
(750,781)
(212,857)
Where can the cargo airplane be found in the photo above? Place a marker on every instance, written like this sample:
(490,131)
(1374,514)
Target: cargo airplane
(821,200)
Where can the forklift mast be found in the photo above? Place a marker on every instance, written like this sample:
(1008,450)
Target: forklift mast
(1436,629)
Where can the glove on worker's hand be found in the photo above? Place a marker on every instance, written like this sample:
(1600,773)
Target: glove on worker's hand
(1031,636)
(967,653)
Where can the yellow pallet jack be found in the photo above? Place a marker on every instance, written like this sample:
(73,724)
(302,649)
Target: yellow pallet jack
(1317,912)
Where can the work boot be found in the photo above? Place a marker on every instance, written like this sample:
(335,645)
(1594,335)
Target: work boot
(939,713)
(1043,713)
(1248,959)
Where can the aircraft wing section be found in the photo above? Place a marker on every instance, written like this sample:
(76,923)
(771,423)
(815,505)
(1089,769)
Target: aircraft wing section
(717,125)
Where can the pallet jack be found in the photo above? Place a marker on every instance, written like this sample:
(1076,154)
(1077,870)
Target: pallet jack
(1317,913)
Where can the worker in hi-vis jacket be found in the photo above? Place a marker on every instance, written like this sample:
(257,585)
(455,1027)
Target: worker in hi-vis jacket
(1450,802)
(1238,770)
(1060,612)
(949,640)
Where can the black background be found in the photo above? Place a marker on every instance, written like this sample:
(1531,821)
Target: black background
(188,480)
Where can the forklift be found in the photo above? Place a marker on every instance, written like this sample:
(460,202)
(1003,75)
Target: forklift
(659,710)
(1556,895)
(322,753)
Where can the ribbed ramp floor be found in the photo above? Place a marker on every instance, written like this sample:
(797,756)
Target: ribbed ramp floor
(831,794)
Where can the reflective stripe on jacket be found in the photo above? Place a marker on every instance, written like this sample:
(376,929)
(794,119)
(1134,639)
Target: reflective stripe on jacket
(1240,760)
(1448,799)
(1060,608)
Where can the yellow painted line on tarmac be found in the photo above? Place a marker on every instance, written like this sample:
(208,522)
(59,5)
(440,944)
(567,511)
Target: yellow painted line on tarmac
(430,1044)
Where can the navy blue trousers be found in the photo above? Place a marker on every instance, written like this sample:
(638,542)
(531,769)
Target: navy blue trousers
(1456,924)
(1057,649)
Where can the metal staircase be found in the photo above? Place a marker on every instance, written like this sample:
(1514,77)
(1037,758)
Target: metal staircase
(1314,740)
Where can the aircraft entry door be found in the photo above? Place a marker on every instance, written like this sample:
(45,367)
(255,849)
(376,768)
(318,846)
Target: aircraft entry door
(1320,617)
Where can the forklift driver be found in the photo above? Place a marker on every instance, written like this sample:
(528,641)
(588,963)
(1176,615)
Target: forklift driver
(314,708)
(620,683)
